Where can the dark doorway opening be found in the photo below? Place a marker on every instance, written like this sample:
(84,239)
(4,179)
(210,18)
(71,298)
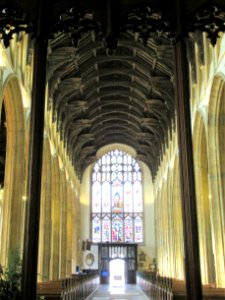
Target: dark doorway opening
(110,251)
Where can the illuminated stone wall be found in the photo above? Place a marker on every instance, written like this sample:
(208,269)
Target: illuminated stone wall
(65,201)
(207,75)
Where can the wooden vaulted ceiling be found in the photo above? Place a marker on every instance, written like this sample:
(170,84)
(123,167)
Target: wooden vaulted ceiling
(110,73)
(119,95)
(98,99)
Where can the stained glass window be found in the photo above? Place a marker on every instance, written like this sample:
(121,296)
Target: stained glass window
(117,201)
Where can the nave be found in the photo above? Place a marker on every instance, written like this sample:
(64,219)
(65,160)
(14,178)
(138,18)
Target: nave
(112,132)
(128,292)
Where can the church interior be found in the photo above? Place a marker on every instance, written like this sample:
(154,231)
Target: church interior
(112,146)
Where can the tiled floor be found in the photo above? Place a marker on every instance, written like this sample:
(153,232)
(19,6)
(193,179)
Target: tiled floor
(129,292)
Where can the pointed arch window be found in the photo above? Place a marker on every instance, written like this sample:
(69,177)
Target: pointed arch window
(117,201)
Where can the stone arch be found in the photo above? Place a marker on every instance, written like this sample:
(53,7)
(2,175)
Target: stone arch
(216,147)
(120,188)
(110,147)
(202,196)
(148,200)
(14,182)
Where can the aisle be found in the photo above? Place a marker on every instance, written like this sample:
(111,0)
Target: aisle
(129,292)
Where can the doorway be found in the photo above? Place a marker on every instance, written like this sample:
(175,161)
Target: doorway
(124,254)
(117,273)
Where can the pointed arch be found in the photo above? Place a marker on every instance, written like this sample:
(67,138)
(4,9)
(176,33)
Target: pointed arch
(216,148)
(14,182)
(202,197)
(117,199)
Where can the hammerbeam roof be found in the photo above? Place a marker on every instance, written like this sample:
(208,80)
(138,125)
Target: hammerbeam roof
(110,69)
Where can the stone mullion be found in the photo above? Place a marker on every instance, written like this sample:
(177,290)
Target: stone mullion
(63,216)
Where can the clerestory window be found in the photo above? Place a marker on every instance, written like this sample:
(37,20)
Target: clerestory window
(117,202)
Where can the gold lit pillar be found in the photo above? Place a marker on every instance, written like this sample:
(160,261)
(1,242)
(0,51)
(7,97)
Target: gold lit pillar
(14,183)
(63,225)
(76,230)
(45,219)
(69,230)
(178,225)
(55,219)
(216,146)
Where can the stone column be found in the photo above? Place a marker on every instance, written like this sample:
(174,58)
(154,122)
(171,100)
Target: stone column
(191,243)
(63,227)
(76,230)
(45,226)
(69,230)
(55,217)
(178,226)
(216,148)
(30,255)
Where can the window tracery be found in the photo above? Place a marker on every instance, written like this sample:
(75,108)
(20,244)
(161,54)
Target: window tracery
(117,203)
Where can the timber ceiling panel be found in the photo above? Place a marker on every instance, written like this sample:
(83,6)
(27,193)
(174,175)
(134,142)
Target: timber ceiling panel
(126,97)
(110,68)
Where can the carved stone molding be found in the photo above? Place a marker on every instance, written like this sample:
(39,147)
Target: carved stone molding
(146,20)
(13,21)
(210,19)
(76,21)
